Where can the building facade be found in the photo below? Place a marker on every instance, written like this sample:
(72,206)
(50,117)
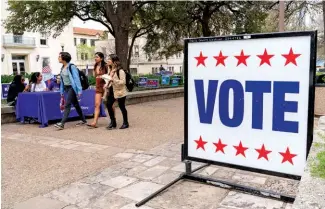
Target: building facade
(140,63)
(30,52)
(84,41)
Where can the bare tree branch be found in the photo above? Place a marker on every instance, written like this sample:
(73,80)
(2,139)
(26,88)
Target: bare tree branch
(96,20)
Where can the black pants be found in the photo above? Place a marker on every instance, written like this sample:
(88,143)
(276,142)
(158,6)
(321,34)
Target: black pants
(71,99)
(121,104)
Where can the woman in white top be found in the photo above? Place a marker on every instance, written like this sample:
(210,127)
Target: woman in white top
(37,83)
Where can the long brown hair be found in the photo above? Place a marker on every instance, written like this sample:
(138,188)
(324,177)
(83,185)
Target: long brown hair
(116,61)
(102,63)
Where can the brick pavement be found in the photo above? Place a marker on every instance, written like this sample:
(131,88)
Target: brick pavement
(140,173)
(126,175)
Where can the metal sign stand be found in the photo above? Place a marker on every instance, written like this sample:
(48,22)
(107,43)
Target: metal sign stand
(189,175)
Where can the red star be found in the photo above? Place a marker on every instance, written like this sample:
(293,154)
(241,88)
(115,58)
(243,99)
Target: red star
(242,58)
(287,156)
(240,149)
(220,59)
(200,143)
(200,59)
(265,58)
(263,152)
(291,57)
(220,146)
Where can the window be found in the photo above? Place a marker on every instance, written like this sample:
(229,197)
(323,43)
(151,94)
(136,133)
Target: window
(75,41)
(83,41)
(171,69)
(45,61)
(154,70)
(83,56)
(136,50)
(178,55)
(104,51)
(18,39)
(133,71)
(43,42)
(180,69)
(92,42)
(43,39)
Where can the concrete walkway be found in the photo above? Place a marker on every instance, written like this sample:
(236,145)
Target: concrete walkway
(79,168)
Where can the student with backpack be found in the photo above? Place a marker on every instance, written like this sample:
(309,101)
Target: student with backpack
(116,91)
(71,84)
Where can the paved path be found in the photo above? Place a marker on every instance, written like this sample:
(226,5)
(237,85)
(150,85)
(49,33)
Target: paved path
(98,169)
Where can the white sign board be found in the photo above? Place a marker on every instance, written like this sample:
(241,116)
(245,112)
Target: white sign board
(249,101)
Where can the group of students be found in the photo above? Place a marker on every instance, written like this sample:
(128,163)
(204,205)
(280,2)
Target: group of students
(110,86)
(36,84)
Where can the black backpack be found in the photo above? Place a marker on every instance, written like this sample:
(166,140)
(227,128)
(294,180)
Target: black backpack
(83,78)
(129,81)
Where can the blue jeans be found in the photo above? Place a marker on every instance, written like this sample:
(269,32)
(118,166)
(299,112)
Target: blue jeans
(71,99)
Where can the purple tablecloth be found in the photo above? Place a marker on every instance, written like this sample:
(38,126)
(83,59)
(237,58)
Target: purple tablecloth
(45,106)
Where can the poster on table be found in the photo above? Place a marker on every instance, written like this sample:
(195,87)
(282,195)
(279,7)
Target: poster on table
(152,83)
(249,101)
(165,80)
(142,81)
(4,90)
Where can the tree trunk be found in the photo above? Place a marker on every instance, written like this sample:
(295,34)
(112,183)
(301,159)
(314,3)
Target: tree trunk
(130,52)
(121,19)
(122,47)
(205,21)
(324,25)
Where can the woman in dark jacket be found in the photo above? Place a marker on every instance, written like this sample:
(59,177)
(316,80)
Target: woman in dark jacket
(17,86)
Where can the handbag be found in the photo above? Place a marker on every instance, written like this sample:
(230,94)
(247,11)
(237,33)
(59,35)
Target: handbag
(62,103)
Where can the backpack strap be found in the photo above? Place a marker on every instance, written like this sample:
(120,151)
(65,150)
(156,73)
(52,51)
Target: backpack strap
(118,73)
(70,68)
(71,71)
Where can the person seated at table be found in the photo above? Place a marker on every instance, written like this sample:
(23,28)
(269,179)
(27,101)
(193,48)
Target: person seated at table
(55,85)
(17,86)
(38,84)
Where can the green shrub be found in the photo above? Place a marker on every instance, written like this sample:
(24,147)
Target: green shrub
(7,78)
(10,78)
(92,80)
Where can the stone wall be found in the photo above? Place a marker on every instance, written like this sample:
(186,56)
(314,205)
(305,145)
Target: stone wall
(8,113)
(320,100)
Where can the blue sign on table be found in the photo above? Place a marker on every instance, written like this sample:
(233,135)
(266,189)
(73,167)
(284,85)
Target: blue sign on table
(165,80)
(175,81)
(142,81)
(152,83)
(5,89)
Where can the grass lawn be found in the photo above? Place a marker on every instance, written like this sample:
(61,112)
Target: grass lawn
(318,166)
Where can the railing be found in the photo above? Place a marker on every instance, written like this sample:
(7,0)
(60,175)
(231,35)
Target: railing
(18,40)
(85,62)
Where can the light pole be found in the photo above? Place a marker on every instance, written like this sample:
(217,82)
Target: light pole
(281,16)
(62,46)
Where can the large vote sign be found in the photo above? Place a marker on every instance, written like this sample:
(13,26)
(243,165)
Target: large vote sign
(249,101)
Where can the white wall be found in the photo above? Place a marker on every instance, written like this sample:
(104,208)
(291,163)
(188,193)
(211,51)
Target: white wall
(51,51)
